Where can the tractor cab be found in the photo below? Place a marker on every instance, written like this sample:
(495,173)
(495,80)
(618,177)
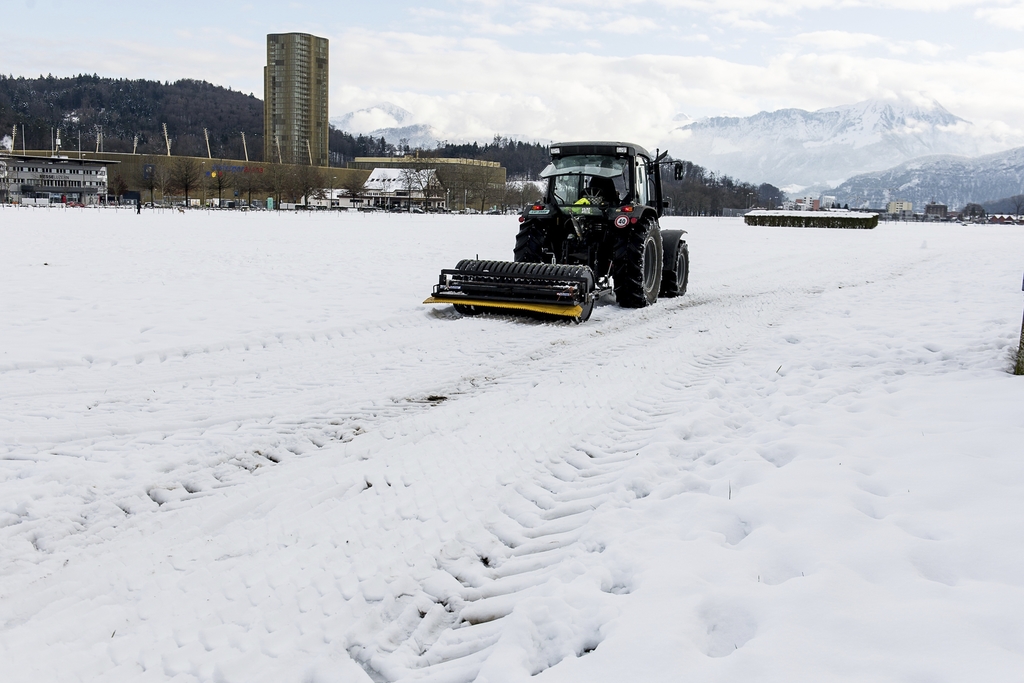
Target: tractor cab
(607,175)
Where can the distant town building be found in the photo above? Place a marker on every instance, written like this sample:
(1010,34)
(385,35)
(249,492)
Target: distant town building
(900,208)
(802,204)
(935,212)
(295,92)
(52,180)
(827,201)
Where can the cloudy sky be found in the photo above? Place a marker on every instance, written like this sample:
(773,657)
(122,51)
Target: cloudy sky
(562,68)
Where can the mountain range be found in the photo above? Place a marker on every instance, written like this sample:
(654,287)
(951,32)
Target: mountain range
(794,149)
(391,122)
(951,180)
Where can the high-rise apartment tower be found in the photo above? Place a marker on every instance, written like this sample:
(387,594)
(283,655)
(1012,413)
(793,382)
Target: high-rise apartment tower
(295,127)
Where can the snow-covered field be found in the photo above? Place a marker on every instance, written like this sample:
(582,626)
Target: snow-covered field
(237,448)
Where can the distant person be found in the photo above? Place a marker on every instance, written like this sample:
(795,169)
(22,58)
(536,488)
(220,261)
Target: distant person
(138,208)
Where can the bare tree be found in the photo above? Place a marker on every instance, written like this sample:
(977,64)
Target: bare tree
(1018,204)
(974,211)
(457,178)
(118,185)
(162,180)
(352,183)
(531,193)
(186,175)
(221,180)
(276,180)
(248,182)
(485,184)
(307,182)
(434,190)
(415,178)
(519,193)
(146,179)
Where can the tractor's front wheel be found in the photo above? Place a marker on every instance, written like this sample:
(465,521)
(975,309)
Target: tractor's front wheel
(637,266)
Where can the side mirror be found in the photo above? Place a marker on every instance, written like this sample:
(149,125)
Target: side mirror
(664,203)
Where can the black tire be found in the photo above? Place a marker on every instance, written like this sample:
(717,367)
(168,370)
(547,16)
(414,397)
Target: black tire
(467,310)
(530,243)
(588,305)
(676,273)
(637,265)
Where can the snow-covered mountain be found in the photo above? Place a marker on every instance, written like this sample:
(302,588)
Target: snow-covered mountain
(383,115)
(951,180)
(793,147)
(389,121)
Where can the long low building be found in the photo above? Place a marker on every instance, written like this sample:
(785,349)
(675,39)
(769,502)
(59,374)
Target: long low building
(865,220)
(26,179)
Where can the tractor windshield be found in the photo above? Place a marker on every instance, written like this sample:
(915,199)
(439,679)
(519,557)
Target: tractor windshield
(590,164)
(595,176)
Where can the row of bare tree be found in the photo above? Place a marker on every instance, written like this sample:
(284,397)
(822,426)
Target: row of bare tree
(186,176)
(461,185)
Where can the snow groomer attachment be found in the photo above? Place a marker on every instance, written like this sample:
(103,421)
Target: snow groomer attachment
(550,289)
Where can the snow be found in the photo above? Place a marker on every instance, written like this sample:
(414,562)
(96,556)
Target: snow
(236,447)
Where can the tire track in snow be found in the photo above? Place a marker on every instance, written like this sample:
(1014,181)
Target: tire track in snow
(457,645)
(543,536)
(450,634)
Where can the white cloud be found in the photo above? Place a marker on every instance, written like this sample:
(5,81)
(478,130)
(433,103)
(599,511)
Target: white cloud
(743,21)
(837,40)
(916,47)
(1004,17)
(480,90)
(570,68)
(630,26)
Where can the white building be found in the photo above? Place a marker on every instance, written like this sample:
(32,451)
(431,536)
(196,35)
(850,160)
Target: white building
(333,199)
(404,187)
(802,204)
(52,180)
(900,208)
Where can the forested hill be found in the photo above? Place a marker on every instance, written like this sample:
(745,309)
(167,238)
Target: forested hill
(520,159)
(124,108)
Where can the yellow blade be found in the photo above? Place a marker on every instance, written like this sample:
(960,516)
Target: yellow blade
(551,309)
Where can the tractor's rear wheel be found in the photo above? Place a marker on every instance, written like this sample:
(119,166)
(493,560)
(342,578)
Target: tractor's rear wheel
(530,243)
(676,272)
(637,266)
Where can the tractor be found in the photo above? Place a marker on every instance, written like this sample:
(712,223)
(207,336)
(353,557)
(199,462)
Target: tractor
(595,231)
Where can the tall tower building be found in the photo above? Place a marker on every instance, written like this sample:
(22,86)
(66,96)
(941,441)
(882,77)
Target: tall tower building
(295,127)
